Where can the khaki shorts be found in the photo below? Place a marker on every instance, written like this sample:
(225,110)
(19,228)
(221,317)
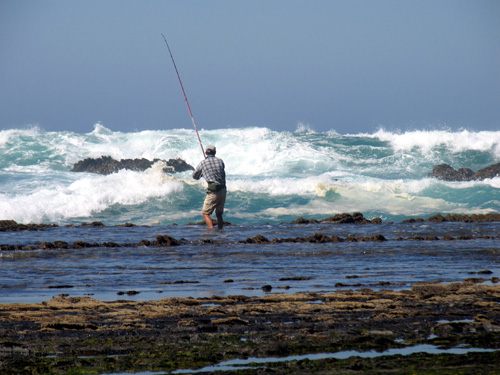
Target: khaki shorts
(214,200)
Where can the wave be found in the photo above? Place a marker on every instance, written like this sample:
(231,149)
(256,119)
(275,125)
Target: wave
(271,175)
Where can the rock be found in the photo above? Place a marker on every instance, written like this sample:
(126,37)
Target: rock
(267,288)
(344,218)
(165,240)
(13,226)
(107,165)
(488,172)
(257,239)
(448,173)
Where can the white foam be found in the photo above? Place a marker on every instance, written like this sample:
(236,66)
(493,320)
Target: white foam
(454,141)
(87,195)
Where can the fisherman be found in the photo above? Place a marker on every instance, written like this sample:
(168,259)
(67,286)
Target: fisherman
(212,169)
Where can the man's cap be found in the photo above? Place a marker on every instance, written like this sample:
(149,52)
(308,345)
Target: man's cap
(210,148)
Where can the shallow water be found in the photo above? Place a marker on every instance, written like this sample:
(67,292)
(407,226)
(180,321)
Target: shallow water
(228,267)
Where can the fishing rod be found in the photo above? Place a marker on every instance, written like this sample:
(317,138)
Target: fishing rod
(185,97)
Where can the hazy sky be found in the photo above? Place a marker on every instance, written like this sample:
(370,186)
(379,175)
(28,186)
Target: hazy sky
(350,66)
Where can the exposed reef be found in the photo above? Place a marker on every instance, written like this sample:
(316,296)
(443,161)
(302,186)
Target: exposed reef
(107,165)
(448,173)
(85,335)
(344,218)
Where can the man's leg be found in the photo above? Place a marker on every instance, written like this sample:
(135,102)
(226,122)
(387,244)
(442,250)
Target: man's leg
(208,221)
(220,220)
(219,210)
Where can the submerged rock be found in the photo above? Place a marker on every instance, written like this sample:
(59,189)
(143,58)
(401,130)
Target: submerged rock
(107,165)
(448,173)
(344,218)
(457,218)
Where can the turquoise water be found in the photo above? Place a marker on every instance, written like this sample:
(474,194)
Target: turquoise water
(272,176)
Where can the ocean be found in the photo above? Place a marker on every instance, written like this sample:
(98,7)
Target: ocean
(273,178)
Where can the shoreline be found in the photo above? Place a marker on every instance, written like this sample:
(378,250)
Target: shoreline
(190,333)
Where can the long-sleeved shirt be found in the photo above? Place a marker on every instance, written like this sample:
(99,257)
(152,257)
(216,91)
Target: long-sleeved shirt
(212,169)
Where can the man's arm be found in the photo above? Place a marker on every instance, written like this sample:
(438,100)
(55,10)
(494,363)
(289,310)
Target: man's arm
(198,172)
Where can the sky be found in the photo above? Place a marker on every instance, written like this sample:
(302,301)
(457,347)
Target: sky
(350,66)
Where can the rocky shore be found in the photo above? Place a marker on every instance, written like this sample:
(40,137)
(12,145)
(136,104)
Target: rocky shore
(82,335)
(164,240)
(277,332)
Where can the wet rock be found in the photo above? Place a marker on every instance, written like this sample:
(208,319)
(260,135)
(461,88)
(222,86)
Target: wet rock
(165,240)
(47,245)
(231,320)
(448,173)
(376,238)
(68,326)
(260,239)
(84,335)
(84,244)
(267,288)
(107,165)
(92,224)
(13,226)
(302,220)
(474,218)
(488,172)
(344,218)
(319,238)
(336,238)
(61,244)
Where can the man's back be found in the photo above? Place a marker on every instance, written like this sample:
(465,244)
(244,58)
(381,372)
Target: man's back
(212,169)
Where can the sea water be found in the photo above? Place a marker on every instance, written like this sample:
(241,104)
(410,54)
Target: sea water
(272,176)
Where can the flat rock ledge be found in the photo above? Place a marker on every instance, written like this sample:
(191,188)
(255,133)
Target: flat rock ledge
(448,173)
(85,335)
(107,165)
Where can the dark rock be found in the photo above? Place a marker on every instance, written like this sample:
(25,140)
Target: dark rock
(344,218)
(47,245)
(302,220)
(92,224)
(296,278)
(61,244)
(355,218)
(378,238)
(448,173)
(336,238)
(110,244)
(319,238)
(475,218)
(13,226)
(257,239)
(107,165)
(488,172)
(132,292)
(267,288)
(83,245)
(165,240)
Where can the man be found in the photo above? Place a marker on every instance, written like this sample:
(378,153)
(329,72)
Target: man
(212,169)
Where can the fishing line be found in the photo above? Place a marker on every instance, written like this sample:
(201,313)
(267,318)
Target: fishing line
(185,97)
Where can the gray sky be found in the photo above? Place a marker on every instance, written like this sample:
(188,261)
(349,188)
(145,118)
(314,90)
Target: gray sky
(350,66)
